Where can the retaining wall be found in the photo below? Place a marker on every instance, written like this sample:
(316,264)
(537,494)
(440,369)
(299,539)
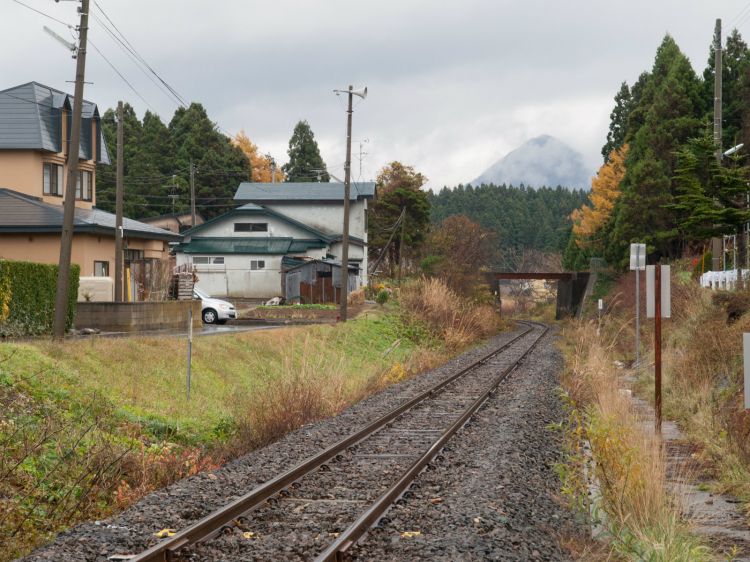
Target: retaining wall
(136,316)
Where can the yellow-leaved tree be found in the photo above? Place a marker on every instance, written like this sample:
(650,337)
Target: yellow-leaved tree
(605,189)
(261,163)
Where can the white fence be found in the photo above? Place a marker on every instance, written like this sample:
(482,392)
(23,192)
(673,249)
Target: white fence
(726,280)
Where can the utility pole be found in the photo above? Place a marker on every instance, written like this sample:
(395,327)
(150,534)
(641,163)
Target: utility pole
(118,205)
(401,246)
(273,170)
(718,68)
(347,189)
(69,205)
(192,194)
(716,242)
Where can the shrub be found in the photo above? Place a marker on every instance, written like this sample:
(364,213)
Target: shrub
(27,297)
(382,297)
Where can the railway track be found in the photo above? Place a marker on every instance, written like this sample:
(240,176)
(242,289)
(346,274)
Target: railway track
(321,507)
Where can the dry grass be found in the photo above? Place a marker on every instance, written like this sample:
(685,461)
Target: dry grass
(641,520)
(447,315)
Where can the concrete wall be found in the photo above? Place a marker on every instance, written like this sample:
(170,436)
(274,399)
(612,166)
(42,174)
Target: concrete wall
(136,316)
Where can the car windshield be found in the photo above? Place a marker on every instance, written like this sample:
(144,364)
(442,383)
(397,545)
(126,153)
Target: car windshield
(200,294)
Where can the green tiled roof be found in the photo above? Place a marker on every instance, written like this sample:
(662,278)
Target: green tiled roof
(248,245)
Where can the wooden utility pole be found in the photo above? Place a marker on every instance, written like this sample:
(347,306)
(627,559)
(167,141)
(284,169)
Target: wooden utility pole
(192,194)
(345,234)
(118,205)
(69,205)
(401,247)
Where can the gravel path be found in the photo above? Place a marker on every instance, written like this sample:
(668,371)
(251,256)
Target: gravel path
(510,512)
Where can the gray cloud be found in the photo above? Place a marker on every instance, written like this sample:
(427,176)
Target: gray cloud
(454,85)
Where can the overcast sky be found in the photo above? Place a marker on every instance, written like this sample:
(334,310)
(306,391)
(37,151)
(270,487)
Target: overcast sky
(453,85)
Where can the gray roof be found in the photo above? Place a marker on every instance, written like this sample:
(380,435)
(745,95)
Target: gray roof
(23,213)
(31,118)
(302,191)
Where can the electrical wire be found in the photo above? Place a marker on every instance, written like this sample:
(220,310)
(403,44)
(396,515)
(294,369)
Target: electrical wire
(137,93)
(134,59)
(138,55)
(44,14)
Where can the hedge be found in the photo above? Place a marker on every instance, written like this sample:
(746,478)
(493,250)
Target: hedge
(27,297)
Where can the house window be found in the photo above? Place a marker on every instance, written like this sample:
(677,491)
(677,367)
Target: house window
(133,255)
(83,186)
(255,265)
(53,179)
(206,260)
(101,269)
(218,260)
(200,260)
(251,227)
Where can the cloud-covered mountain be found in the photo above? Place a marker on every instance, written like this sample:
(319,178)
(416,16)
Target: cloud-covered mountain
(541,161)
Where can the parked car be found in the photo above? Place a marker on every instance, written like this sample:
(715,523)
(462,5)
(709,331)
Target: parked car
(214,311)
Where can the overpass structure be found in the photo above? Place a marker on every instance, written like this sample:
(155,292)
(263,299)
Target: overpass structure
(572,287)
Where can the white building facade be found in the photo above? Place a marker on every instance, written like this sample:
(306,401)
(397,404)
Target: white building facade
(241,253)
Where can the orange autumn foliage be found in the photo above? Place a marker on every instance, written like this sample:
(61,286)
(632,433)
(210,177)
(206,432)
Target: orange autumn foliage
(605,189)
(261,164)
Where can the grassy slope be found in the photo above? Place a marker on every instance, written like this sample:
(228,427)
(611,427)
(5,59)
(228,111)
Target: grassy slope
(92,425)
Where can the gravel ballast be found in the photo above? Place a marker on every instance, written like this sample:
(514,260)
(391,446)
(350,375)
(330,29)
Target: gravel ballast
(491,495)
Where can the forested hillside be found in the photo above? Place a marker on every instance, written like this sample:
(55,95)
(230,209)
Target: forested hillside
(664,181)
(521,217)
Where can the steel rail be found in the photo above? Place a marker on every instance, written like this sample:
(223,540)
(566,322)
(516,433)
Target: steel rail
(349,537)
(215,521)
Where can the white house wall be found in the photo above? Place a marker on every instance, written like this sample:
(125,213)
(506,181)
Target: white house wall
(326,217)
(235,279)
(276,228)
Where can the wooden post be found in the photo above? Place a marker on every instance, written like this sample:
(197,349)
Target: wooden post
(657,349)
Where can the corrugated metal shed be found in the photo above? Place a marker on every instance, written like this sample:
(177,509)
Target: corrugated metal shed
(316,281)
(22,213)
(31,118)
(302,191)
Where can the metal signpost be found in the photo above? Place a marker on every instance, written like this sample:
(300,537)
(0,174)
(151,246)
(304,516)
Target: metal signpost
(746,357)
(658,306)
(190,349)
(637,264)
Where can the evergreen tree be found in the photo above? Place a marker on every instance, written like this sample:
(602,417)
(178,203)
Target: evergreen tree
(157,164)
(711,197)
(220,165)
(618,121)
(670,108)
(305,163)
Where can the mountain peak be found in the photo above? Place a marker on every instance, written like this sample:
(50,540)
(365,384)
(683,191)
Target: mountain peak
(540,161)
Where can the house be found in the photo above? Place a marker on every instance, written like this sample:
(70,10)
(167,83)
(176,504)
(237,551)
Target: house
(34,124)
(175,222)
(247,251)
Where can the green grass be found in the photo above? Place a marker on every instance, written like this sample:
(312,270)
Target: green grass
(300,307)
(144,379)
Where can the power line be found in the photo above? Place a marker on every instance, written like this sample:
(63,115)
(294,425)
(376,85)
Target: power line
(44,14)
(138,55)
(137,93)
(135,60)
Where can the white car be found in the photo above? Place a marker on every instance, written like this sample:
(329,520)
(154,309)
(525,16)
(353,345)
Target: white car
(214,311)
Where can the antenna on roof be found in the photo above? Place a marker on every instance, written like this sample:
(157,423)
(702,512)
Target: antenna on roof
(68,45)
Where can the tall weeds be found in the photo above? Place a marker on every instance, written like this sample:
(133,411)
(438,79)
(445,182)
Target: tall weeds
(633,507)
(448,316)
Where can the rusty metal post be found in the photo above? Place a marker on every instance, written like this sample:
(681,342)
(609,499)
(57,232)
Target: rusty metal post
(657,349)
